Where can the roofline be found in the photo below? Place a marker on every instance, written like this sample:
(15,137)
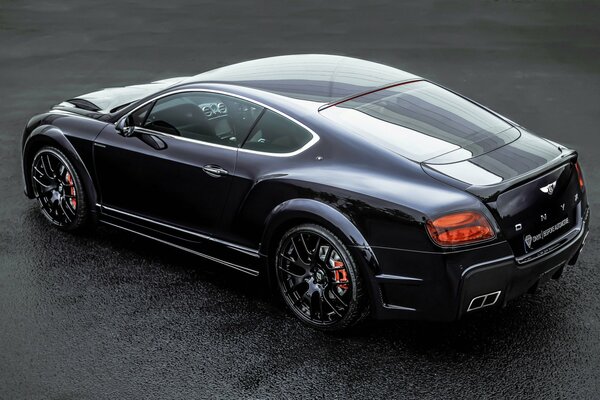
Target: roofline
(360,94)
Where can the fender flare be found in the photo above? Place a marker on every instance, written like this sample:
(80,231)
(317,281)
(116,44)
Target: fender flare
(47,135)
(312,210)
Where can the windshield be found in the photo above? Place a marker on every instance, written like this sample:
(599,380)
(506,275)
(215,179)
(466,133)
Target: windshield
(420,121)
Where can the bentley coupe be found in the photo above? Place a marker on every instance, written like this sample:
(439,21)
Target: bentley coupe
(353,188)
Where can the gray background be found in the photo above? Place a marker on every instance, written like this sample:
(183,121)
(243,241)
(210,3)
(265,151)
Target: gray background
(109,315)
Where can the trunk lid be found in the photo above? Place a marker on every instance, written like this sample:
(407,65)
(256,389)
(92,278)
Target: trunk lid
(509,157)
(530,185)
(539,211)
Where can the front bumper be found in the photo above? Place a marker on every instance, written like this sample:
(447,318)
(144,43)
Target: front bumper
(443,286)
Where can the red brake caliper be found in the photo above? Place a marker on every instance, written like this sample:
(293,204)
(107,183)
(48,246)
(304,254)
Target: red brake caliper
(341,275)
(73,200)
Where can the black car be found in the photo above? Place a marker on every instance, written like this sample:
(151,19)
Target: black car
(353,187)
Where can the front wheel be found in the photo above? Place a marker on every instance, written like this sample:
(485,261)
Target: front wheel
(58,189)
(318,279)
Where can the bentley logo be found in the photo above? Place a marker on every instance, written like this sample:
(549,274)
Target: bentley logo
(548,188)
(528,240)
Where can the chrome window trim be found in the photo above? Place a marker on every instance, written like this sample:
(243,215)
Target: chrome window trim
(242,249)
(315,136)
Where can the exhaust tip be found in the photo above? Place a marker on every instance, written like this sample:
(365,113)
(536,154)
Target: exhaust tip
(484,300)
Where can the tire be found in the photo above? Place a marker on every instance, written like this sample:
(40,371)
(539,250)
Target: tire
(58,188)
(318,280)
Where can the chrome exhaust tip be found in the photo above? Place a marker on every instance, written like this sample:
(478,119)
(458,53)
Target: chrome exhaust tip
(484,300)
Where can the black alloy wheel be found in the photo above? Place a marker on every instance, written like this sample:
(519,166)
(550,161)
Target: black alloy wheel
(58,189)
(318,279)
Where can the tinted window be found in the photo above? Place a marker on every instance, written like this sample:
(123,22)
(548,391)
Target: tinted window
(421,120)
(207,117)
(275,133)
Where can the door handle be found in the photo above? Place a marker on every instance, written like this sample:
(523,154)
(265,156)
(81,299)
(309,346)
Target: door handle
(215,171)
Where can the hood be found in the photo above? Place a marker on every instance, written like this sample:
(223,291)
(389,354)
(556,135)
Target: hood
(107,100)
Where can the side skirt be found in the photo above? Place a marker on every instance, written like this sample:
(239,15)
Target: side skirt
(209,250)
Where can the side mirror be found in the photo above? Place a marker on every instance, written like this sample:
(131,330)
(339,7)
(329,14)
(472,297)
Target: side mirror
(124,129)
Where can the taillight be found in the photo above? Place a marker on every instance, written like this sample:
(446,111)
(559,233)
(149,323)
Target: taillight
(460,228)
(579,175)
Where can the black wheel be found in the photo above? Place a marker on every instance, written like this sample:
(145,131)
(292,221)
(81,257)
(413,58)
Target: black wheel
(58,189)
(318,279)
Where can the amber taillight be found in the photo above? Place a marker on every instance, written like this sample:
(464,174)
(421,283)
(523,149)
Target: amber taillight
(460,228)
(579,175)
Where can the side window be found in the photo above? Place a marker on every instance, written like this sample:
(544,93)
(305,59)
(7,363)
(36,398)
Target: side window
(275,133)
(207,117)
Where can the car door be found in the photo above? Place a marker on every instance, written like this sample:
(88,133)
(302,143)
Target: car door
(275,150)
(172,163)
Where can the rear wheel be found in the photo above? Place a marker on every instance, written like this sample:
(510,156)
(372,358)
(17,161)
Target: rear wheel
(58,189)
(318,279)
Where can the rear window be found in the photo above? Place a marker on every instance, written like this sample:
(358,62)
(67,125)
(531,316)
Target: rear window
(420,121)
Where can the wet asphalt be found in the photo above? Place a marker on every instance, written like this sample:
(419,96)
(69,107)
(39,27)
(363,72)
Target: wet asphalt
(110,315)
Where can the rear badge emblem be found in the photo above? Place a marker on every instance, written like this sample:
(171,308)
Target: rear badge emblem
(549,189)
(528,240)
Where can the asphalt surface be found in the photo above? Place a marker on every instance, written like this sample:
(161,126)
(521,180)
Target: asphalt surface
(109,315)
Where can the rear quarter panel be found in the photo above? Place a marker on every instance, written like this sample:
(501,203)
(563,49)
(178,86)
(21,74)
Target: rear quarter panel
(386,202)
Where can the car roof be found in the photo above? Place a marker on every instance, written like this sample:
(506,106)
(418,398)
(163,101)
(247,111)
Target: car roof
(314,77)
(319,78)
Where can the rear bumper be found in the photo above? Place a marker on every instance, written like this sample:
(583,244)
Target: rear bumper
(512,279)
(444,287)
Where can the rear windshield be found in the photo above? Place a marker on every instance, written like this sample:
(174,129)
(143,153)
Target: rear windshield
(420,121)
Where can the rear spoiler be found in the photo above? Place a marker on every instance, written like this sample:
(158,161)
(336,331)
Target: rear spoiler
(490,193)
